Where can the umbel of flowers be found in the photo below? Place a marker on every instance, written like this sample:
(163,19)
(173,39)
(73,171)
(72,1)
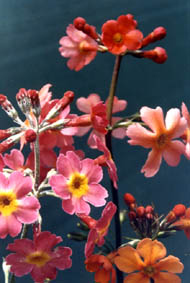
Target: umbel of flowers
(55,168)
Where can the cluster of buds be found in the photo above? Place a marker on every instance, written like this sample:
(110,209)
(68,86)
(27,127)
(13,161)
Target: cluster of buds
(81,24)
(144,220)
(29,101)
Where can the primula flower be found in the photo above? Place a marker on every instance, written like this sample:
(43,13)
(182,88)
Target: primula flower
(80,47)
(148,262)
(38,257)
(15,206)
(159,137)
(102,266)
(121,35)
(184,223)
(186,134)
(99,228)
(77,183)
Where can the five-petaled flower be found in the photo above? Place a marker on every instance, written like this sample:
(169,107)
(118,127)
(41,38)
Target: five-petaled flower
(147,262)
(15,206)
(77,183)
(38,257)
(159,137)
(80,47)
(102,266)
(121,35)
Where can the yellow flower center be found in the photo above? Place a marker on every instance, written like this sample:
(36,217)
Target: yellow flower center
(162,140)
(78,184)
(117,38)
(8,203)
(149,270)
(39,258)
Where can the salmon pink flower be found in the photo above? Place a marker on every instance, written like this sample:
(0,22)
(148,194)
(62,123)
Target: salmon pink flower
(102,266)
(159,137)
(80,47)
(148,262)
(15,206)
(186,134)
(77,183)
(99,229)
(121,35)
(38,257)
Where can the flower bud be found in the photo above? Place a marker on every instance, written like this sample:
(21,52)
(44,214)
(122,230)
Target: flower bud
(157,55)
(179,210)
(129,199)
(79,23)
(149,209)
(157,34)
(132,215)
(30,135)
(140,211)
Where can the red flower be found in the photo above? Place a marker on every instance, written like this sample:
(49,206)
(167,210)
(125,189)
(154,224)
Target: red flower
(120,35)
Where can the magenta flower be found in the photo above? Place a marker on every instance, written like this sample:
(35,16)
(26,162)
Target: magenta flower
(98,229)
(38,257)
(159,137)
(15,206)
(80,47)
(77,183)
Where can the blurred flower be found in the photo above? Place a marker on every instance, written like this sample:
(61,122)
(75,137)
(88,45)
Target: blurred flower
(77,183)
(99,228)
(15,206)
(159,137)
(184,223)
(186,134)
(80,47)
(102,266)
(148,262)
(38,257)
(121,35)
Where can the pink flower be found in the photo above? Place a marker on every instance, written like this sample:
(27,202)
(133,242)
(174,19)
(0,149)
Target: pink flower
(38,257)
(80,47)
(77,183)
(99,229)
(159,137)
(15,206)
(186,134)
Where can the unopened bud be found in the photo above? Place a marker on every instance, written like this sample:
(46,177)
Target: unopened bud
(35,102)
(5,134)
(157,55)
(132,215)
(5,146)
(88,220)
(129,199)
(140,211)
(149,209)
(157,34)
(179,210)
(80,121)
(79,23)
(30,135)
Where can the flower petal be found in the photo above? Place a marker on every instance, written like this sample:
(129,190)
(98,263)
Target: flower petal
(140,136)
(152,164)
(153,118)
(136,278)
(174,123)
(172,152)
(165,277)
(170,264)
(96,195)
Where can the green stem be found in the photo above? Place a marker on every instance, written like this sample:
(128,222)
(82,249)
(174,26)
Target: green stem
(109,146)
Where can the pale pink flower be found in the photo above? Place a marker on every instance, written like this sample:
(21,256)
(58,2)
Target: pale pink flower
(15,206)
(99,229)
(77,183)
(186,134)
(38,257)
(159,137)
(14,160)
(80,47)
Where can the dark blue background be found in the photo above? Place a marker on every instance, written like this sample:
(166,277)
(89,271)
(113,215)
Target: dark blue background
(30,31)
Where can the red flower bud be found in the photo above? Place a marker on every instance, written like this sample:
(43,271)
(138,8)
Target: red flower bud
(3,98)
(132,215)
(157,55)
(5,134)
(66,99)
(30,135)
(179,210)
(149,209)
(79,23)
(88,220)
(157,34)
(140,211)
(129,199)
(171,216)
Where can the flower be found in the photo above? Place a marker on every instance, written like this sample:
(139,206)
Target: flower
(186,134)
(184,223)
(80,47)
(148,261)
(120,35)
(102,266)
(38,257)
(159,137)
(98,229)
(77,183)
(15,206)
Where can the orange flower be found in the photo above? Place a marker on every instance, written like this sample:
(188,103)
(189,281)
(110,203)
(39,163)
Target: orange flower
(184,223)
(120,35)
(148,259)
(102,266)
